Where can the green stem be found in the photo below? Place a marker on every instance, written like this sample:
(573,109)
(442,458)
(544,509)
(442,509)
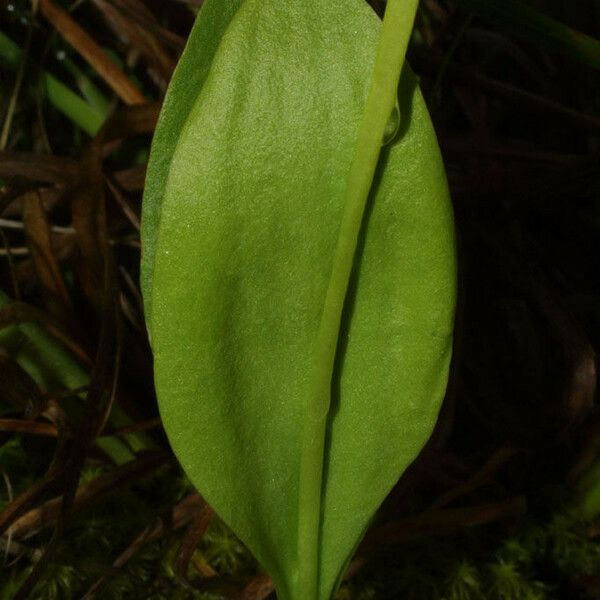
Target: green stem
(391,51)
(59,95)
(95,98)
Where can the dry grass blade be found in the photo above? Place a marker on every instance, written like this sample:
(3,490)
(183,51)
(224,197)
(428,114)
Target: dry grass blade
(104,377)
(22,503)
(92,52)
(50,196)
(19,312)
(87,494)
(19,550)
(259,588)
(443,521)
(38,167)
(97,270)
(28,427)
(46,265)
(99,402)
(137,11)
(136,427)
(88,208)
(190,541)
(131,180)
(10,252)
(181,514)
(130,121)
(140,36)
(89,222)
(123,203)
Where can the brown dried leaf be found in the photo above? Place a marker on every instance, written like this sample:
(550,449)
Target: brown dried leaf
(22,503)
(38,167)
(20,312)
(190,541)
(131,180)
(259,588)
(443,521)
(129,121)
(92,52)
(123,203)
(89,222)
(90,493)
(28,427)
(46,265)
(137,11)
(181,514)
(137,31)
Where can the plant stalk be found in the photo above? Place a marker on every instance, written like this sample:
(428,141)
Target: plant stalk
(381,100)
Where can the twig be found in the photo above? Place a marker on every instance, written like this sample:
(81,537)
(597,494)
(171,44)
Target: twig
(25,426)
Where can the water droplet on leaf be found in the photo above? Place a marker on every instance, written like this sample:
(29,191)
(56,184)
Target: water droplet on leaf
(392,126)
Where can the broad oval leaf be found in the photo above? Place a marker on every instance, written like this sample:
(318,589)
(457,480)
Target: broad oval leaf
(244,198)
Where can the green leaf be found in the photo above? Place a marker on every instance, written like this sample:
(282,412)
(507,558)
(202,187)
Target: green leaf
(523,20)
(84,115)
(262,162)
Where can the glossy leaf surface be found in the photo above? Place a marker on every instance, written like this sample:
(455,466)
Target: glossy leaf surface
(244,199)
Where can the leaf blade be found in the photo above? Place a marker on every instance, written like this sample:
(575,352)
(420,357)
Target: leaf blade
(194,66)
(248,228)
